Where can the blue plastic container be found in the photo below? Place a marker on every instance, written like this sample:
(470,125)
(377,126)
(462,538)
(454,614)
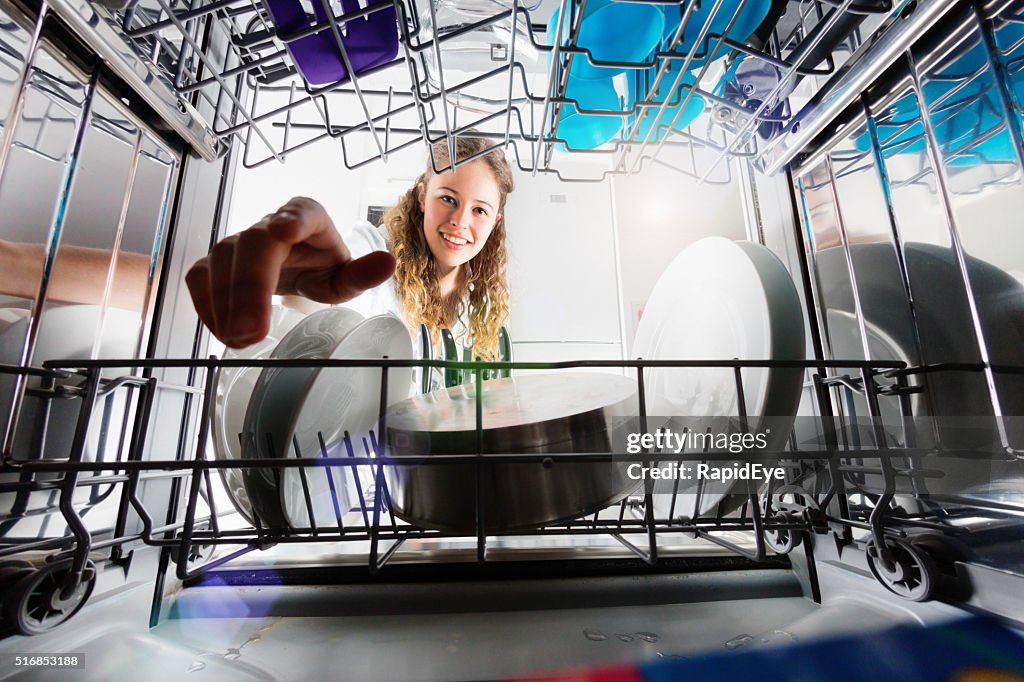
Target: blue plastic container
(589,131)
(612,31)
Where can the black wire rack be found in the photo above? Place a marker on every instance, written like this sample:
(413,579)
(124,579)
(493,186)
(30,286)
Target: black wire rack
(165,494)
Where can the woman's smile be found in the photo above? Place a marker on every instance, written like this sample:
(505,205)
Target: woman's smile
(454,241)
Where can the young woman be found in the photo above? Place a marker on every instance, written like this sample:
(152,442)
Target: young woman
(444,243)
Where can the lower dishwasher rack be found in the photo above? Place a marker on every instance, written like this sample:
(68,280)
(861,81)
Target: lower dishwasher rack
(860,488)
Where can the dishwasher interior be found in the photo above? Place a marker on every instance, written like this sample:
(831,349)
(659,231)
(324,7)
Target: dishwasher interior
(873,146)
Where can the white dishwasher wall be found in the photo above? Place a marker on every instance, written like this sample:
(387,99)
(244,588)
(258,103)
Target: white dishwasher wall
(569,299)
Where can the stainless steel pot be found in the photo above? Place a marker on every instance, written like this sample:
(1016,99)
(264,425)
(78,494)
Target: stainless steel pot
(538,413)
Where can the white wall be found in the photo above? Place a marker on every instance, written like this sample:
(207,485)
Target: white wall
(659,212)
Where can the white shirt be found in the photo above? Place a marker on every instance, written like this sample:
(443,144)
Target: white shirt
(364,238)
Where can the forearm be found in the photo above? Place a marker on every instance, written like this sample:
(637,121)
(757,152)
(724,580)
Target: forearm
(79,274)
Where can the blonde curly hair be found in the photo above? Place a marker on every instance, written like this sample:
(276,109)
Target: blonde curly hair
(483,284)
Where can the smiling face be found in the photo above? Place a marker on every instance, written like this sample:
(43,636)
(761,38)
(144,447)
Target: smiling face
(460,211)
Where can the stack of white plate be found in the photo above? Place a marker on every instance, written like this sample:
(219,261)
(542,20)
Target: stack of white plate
(306,412)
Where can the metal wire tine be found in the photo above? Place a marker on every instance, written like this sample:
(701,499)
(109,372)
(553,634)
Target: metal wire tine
(83,539)
(944,192)
(440,82)
(224,85)
(710,58)
(288,116)
(390,552)
(378,501)
(371,446)
(205,420)
(511,71)
(273,113)
(336,32)
(330,483)
(232,72)
(663,69)
(181,62)
(347,439)
(189,14)
(305,486)
(698,496)
(676,37)
(387,122)
(410,59)
(563,5)
(633,548)
(675,485)
(211,502)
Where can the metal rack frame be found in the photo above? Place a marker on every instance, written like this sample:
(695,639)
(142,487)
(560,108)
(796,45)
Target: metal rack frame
(225,61)
(824,490)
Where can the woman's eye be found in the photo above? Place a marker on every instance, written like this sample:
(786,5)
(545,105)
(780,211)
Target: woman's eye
(448,200)
(481,211)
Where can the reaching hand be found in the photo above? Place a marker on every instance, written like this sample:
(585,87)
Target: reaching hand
(295,250)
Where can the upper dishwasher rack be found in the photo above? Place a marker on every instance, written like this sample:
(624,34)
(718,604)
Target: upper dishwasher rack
(220,72)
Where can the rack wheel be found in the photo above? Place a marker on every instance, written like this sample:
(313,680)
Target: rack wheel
(783,540)
(39,602)
(197,553)
(911,574)
(11,572)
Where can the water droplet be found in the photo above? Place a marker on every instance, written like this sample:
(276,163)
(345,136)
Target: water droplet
(777,636)
(594,635)
(233,654)
(624,637)
(737,642)
(649,637)
(196,666)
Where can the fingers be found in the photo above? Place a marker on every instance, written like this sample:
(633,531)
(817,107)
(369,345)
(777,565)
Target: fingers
(293,250)
(198,281)
(361,274)
(303,220)
(256,269)
(221,264)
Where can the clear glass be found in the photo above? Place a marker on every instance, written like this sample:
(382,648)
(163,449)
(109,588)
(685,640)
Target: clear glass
(832,275)
(32,191)
(972,98)
(139,258)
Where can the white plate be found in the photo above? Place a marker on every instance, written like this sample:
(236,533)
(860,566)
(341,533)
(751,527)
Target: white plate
(234,389)
(720,300)
(339,400)
(278,390)
(293,406)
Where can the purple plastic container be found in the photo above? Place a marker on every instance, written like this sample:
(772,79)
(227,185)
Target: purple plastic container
(369,41)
